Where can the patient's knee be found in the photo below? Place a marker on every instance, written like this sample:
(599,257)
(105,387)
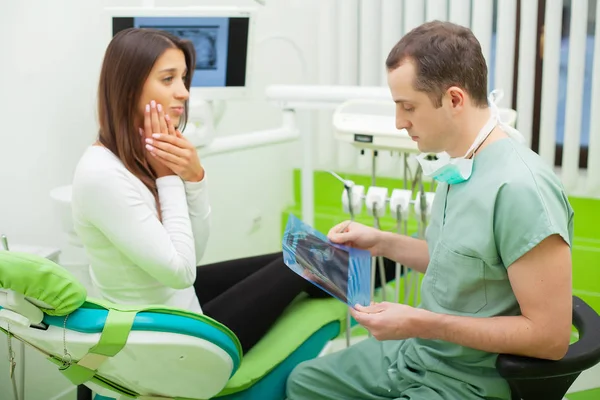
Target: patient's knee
(299,380)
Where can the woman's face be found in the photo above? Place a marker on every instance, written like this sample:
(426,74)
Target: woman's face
(165,86)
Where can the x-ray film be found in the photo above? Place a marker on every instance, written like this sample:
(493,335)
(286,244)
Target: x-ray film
(343,272)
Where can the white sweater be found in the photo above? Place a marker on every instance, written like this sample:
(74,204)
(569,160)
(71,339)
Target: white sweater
(134,258)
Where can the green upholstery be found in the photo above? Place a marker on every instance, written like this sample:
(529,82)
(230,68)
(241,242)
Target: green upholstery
(301,319)
(41,279)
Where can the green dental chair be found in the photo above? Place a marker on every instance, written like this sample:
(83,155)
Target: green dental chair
(152,352)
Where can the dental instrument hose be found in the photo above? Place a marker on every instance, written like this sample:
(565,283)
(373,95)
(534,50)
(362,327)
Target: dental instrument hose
(406,180)
(348,315)
(407,274)
(12,364)
(348,188)
(373,168)
(377,261)
(398,265)
(423,206)
(416,186)
(349,192)
(422,225)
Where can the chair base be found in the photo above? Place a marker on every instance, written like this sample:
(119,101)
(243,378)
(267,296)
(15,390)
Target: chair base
(84,393)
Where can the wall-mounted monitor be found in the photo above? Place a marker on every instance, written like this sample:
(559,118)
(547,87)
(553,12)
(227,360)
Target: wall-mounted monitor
(222,37)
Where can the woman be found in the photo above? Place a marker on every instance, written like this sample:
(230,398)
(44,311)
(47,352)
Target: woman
(140,203)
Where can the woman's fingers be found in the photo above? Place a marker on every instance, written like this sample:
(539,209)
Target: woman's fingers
(174,140)
(165,142)
(167,147)
(162,154)
(162,120)
(147,121)
(170,127)
(154,117)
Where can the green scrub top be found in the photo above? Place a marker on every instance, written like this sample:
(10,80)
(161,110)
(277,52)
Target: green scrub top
(477,229)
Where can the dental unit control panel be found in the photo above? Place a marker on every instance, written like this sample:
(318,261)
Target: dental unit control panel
(371,124)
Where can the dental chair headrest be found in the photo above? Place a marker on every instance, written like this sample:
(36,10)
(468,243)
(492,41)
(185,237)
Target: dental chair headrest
(44,283)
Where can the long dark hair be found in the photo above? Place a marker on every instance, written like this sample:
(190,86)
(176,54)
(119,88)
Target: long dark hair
(127,63)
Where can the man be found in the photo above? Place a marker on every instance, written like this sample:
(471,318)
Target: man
(496,259)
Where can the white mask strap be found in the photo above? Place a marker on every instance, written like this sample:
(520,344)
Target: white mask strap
(486,130)
(494,97)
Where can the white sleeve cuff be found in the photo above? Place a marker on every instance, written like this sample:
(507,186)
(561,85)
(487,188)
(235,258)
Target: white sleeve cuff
(194,188)
(169,181)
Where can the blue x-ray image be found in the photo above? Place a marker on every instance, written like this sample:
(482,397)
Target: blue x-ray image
(205,40)
(210,37)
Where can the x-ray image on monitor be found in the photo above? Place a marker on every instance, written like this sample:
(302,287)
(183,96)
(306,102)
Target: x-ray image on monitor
(204,38)
(221,44)
(209,36)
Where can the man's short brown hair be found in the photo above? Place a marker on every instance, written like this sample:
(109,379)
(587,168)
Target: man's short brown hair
(444,55)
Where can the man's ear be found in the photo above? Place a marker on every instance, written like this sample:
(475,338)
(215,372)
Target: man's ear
(456,97)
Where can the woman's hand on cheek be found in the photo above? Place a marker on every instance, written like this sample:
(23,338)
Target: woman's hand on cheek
(152,125)
(176,153)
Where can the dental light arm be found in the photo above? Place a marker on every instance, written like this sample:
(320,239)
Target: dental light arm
(289,98)
(322,96)
(286,133)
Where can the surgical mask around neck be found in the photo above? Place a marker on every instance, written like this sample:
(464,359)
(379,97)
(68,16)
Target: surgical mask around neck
(458,170)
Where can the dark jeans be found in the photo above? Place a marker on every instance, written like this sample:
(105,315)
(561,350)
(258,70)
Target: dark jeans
(248,295)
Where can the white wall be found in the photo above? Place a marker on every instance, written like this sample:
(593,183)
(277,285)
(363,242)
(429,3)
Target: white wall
(48,76)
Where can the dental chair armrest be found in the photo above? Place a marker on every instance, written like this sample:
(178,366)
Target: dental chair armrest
(583,354)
